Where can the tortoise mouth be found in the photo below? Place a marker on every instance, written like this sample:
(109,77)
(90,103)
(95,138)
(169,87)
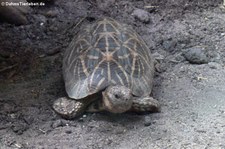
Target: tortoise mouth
(117,99)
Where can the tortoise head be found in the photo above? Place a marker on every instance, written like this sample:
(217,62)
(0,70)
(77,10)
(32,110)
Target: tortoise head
(117,99)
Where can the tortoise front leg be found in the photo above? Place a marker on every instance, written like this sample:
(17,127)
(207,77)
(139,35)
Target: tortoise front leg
(140,105)
(69,108)
(145,104)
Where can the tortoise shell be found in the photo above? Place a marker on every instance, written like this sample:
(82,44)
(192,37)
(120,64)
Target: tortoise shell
(107,53)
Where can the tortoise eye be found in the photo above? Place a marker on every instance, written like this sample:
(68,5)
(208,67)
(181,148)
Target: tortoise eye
(117,96)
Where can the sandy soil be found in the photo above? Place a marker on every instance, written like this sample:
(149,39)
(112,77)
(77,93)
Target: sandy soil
(192,95)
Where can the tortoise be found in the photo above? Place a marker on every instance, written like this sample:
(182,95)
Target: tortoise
(107,67)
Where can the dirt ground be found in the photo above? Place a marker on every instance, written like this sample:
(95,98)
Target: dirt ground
(192,95)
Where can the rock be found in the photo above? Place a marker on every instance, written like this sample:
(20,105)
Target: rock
(14,14)
(19,127)
(169,45)
(141,15)
(148,123)
(215,56)
(214,65)
(104,4)
(57,123)
(179,58)
(52,52)
(68,131)
(7,107)
(51,13)
(158,56)
(196,55)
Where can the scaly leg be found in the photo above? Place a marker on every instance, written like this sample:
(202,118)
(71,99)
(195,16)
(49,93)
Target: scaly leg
(145,104)
(68,108)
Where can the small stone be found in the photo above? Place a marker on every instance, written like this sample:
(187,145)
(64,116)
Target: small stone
(147,124)
(68,131)
(196,55)
(158,56)
(7,108)
(53,28)
(104,4)
(148,121)
(57,123)
(214,65)
(201,131)
(218,131)
(51,13)
(141,15)
(179,58)
(215,56)
(52,52)
(18,145)
(169,45)
(40,18)
(81,119)
(120,130)
(19,128)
